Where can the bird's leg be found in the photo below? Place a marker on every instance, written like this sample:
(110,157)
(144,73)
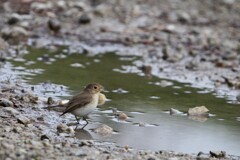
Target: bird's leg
(78,120)
(84,118)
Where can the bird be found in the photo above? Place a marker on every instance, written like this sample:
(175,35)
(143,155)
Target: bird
(84,103)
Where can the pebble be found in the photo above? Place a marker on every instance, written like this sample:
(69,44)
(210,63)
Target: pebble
(44,136)
(217,154)
(10,110)
(174,111)
(23,120)
(50,101)
(14,19)
(7,146)
(85,143)
(121,116)
(54,25)
(63,128)
(103,130)
(6,103)
(84,19)
(238,98)
(141,124)
(17,129)
(36,144)
(198,111)
(14,32)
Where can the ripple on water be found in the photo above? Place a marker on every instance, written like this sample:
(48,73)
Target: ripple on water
(77,65)
(188,92)
(154,97)
(114,119)
(120,90)
(177,87)
(142,124)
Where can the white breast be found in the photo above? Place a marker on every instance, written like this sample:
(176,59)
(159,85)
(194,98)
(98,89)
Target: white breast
(83,111)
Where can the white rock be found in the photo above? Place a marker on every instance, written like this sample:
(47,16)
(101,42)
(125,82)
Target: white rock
(198,111)
(103,130)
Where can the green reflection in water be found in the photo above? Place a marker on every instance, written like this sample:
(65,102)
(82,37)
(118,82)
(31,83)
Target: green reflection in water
(99,68)
(139,91)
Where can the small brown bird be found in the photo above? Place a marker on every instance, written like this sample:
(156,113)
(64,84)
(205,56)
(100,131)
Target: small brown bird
(85,102)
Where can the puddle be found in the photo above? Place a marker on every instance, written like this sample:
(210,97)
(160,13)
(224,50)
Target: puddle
(144,100)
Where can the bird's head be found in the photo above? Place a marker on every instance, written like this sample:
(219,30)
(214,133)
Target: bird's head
(94,88)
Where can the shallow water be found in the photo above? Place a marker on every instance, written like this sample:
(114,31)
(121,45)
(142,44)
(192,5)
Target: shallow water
(144,100)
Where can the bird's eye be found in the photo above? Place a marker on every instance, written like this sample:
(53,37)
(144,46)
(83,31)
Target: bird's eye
(95,87)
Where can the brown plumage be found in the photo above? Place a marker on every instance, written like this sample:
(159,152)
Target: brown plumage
(85,102)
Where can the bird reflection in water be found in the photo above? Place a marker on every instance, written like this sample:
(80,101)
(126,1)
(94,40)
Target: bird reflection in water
(83,134)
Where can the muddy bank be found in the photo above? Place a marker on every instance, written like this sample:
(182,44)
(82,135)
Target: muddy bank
(28,131)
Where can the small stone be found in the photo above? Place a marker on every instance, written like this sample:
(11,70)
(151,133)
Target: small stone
(63,128)
(147,70)
(17,129)
(141,124)
(84,19)
(183,17)
(6,103)
(85,143)
(8,146)
(238,98)
(14,32)
(11,110)
(46,143)
(3,45)
(54,25)
(23,120)
(218,154)
(103,130)
(174,111)
(14,19)
(198,111)
(36,144)
(7,129)
(44,136)
(121,116)
(50,101)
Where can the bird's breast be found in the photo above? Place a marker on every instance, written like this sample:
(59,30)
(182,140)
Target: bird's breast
(87,109)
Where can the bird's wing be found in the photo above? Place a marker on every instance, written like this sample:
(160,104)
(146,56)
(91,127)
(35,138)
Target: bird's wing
(77,101)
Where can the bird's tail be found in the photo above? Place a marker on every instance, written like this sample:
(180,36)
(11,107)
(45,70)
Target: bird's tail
(58,108)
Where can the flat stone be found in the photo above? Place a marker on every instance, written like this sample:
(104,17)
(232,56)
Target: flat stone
(11,110)
(23,120)
(6,103)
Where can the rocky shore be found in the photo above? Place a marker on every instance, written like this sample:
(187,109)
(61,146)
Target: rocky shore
(28,131)
(189,41)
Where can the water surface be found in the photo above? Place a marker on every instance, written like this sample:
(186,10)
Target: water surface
(143,100)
